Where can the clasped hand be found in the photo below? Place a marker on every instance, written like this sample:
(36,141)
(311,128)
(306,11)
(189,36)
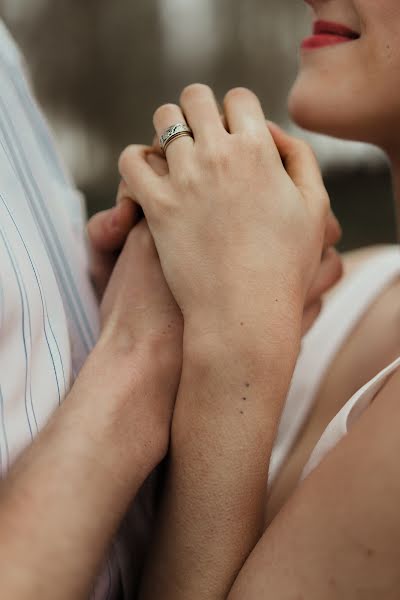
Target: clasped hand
(240,220)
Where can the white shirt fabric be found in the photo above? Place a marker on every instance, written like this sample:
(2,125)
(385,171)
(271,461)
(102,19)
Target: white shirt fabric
(49,318)
(322,343)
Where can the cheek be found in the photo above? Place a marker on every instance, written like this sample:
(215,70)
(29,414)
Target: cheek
(381,33)
(383,13)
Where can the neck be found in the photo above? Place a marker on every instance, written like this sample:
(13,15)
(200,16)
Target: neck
(395,163)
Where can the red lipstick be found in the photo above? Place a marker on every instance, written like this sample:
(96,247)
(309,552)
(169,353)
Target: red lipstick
(326,33)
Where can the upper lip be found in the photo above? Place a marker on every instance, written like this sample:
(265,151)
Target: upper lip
(328,27)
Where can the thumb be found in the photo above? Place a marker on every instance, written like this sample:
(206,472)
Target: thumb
(108,229)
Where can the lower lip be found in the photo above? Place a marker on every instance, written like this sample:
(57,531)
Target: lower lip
(324,39)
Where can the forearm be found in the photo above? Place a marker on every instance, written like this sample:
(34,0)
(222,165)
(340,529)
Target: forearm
(225,422)
(62,501)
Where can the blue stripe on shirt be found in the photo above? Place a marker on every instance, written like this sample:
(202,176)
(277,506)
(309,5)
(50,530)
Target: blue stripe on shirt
(10,255)
(45,315)
(43,220)
(38,125)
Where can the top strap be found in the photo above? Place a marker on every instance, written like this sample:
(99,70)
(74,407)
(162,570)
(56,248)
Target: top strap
(340,315)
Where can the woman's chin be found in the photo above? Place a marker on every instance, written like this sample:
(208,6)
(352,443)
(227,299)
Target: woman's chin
(315,110)
(312,108)
(312,114)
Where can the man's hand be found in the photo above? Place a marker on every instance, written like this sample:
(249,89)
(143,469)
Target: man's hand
(65,496)
(142,329)
(108,230)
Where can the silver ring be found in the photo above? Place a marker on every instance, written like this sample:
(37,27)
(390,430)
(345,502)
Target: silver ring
(173,133)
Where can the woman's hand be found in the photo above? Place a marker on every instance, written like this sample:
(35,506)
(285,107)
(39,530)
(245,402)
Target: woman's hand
(238,231)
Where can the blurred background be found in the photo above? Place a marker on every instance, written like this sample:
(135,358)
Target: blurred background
(100,68)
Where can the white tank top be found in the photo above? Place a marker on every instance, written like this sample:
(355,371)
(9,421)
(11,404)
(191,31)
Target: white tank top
(340,315)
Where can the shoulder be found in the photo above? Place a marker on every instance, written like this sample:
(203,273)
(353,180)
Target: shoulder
(356,259)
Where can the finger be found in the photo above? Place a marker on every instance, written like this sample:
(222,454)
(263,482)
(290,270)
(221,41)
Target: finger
(202,113)
(244,113)
(178,149)
(156,145)
(333,231)
(299,159)
(143,183)
(329,273)
(124,196)
(158,164)
(108,229)
(101,268)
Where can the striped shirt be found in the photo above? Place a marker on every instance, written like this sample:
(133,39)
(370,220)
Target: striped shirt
(49,318)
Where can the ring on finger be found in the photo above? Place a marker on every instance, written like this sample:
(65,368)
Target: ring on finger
(173,133)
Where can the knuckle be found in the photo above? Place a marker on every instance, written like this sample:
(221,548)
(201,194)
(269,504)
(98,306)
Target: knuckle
(165,111)
(254,146)
(126,158)
(239,92)
(186,180)
(194,90)
(216,157)
(255,141)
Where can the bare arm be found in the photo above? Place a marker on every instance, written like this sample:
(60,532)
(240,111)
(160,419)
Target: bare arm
(62,501)
(338,537)
(224,426)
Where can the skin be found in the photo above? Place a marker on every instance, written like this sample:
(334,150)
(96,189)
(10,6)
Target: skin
(70,489)
(131,377)
(224,356)
(351,90)
(323,543)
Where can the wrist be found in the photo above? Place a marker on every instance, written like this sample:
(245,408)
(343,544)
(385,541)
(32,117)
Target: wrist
(113,406)
(247,329)
(232,369)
